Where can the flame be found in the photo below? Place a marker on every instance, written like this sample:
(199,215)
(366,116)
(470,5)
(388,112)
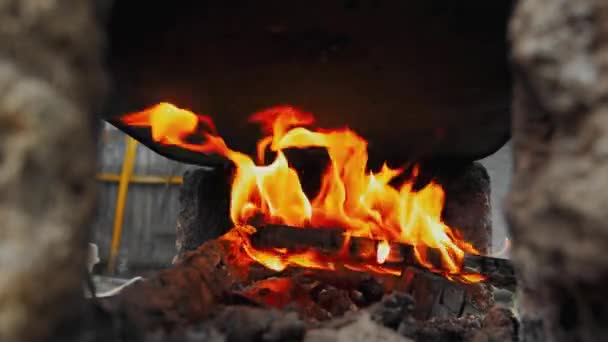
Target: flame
(367,204)
(168,124)
(383,251)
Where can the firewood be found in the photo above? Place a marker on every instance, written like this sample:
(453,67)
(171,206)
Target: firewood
(207,278)
(498,272)
(331,241)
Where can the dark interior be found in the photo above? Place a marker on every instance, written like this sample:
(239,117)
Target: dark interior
(419,79)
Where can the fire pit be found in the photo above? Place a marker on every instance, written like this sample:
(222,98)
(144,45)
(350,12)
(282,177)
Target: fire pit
(369,248)
(305,239)
(369,214)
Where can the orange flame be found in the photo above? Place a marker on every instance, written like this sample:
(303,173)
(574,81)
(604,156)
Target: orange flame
(364,203)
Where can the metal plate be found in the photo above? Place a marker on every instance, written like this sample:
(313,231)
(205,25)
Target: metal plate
(418,79)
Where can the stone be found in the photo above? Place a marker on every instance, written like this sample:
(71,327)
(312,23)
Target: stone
(361,329)
(467,203)
(51,83)
(393,309)
(556,208)
(204,208)
(498,325)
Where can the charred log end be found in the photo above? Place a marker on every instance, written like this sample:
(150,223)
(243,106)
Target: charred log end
(467,209)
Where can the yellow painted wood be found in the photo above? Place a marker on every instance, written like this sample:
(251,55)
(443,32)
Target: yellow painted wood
(123,186)
(141,179)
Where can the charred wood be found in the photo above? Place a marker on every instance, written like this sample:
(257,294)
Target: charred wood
(499,272)
(197,287)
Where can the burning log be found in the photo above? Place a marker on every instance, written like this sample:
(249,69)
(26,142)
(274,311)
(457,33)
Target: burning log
(259,190)
(193,288)
(498,272)
(332,241)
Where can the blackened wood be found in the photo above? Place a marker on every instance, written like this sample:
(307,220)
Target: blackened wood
(204,207)
(282,236)
(314,293)
(331,241)
(499,272)
(193,288)
(437,296)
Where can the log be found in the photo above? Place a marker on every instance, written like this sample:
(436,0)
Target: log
(331,241)
(499,272)
(203,281)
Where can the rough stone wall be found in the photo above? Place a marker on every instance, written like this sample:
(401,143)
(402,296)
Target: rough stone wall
(467,203)
(51,81)
(204,202)
(557,205)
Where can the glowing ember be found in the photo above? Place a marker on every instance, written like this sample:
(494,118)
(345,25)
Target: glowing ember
(364,203)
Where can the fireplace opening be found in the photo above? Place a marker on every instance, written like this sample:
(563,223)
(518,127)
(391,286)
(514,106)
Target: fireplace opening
(355,243)
(338,188)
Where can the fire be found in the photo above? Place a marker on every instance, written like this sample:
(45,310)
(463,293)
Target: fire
(365,203)
(384,250)
(169,124)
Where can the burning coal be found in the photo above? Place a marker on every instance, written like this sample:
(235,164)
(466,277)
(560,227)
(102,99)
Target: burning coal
(363,203)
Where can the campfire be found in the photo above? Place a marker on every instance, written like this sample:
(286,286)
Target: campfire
(323,252)
(371,218)
(308,237)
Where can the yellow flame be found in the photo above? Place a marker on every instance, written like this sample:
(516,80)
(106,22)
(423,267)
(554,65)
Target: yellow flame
(367,204)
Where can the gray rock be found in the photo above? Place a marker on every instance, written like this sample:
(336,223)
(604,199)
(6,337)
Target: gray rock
(557,205)
(361,329)
(51,81)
